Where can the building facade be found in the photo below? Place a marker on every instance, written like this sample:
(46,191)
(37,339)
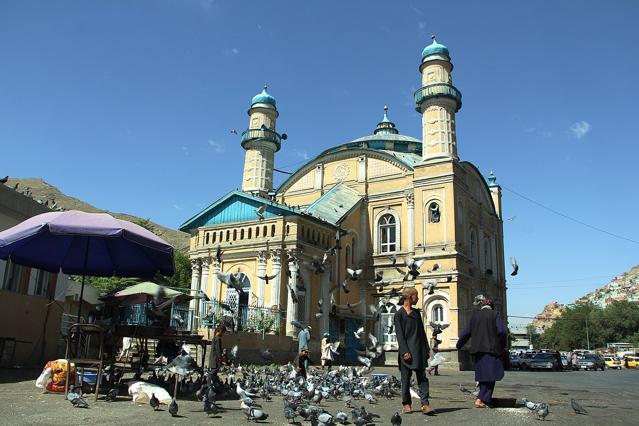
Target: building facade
(389,197)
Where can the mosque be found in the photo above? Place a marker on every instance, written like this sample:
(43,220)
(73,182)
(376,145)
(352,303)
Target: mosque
(389,197)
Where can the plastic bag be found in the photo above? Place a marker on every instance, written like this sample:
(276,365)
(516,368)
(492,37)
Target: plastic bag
(43,380)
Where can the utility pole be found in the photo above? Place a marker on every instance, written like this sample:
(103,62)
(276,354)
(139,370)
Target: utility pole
(587,335)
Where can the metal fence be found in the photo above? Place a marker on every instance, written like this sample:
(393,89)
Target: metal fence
(245,318)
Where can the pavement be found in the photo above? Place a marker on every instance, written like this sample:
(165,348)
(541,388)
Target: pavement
(609,396)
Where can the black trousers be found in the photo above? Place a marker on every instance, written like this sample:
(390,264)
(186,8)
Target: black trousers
(422,382)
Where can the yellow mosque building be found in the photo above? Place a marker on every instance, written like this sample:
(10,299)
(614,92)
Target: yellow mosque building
(389,196)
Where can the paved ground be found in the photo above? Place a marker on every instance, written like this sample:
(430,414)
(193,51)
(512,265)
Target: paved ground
(609,396)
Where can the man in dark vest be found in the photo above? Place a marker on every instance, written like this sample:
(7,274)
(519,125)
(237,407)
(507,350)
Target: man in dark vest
(486,347)
(413,350)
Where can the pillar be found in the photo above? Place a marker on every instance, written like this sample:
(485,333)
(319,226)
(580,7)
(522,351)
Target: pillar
(291,308)
(410,209)
(262,257)
(324,296)
(195,283)
(215,287)
(276,285)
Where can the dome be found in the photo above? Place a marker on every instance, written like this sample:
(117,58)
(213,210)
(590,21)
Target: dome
(263,98)
(435,48)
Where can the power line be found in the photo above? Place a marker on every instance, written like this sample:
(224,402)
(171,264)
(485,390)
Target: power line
(570,218)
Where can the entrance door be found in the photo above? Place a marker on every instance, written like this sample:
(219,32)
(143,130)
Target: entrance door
(351,342)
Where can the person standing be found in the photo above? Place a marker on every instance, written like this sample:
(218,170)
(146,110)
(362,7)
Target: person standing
(304,338)
(215,359)
(488,342)
(413,350)
(327,351)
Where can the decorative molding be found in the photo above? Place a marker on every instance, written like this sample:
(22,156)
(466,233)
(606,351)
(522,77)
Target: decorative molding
(410,199)
(262,256)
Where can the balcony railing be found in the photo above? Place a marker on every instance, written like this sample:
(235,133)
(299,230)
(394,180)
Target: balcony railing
(266,134)
(246,318)
(435,91)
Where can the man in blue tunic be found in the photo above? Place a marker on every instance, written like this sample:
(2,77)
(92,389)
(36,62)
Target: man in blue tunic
(413,350)
(304,338)
(486,347)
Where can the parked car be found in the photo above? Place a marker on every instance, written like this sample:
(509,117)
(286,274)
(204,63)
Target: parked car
(514,361)
(631,362)
(564,361)
(524,361)
(591,362)
(544,361)
(612,362)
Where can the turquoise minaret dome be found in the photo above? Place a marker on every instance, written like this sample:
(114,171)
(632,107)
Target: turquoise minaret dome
(386,126)
(263,98)
(435,49)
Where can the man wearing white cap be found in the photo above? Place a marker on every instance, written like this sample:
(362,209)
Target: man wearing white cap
(304,338)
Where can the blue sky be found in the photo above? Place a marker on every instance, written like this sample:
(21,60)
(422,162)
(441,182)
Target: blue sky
(128,105)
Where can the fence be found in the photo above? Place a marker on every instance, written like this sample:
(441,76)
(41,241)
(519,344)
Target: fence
(245,318)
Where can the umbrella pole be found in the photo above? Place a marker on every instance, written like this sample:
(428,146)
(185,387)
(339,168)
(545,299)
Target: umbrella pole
(84,272)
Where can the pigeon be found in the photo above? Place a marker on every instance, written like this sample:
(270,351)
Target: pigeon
(297,324)
(267,354)
(111,395)
(154,402)
(218,254)
(379,276)
(463,388)
(255,414)
(293,294)
(267,277)
(4,180)
(260,211)
(177,318)
(232,280)
(350,306)
(173,408)
(393,259)
(577,408)
(542,411)
(233,132)
(341,417)
(438,328)
(359,333)
(183,365)
(354,274)
(435,267)
(316,265)
(396,419)
(77,400)
(289,414)
(431,288)
(364,360)
(210,407)
(515,266)
(234,351)
(529,404)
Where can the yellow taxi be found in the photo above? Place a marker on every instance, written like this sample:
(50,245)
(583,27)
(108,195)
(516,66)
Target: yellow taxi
(612,362)
(631,362)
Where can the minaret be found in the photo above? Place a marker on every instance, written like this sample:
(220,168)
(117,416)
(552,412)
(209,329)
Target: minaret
(261,142)
(438,101)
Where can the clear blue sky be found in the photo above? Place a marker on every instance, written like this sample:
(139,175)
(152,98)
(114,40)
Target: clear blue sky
(129,106)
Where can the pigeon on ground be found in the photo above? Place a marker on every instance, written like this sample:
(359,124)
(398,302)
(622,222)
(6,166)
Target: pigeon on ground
(267,354)
(341,417)
(154,402)
(515,266)
(396,419)
(255,414)
(173,408)
(111,395)
(542,411)
(577,408)
(463,388)
(77,400)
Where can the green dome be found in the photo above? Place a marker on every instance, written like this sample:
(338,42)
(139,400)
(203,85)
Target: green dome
(434,49)
(263,98)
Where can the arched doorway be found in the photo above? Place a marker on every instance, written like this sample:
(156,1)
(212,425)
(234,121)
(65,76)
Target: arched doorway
(239,302)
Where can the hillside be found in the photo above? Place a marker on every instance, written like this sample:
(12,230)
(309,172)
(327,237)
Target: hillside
(624,287)
(47,193)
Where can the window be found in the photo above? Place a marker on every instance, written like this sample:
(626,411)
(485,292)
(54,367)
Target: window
(473,247)
(273,230)
(437,313)
(257,231)
(288,229)
(12,276)
(486,261)
(264,231)
(354,251)
(433,213)
(250,233)
(242,234)
(234,234)
(40,285)
(228,235)
(214,236)
(387,234)
(386,326)
(206,238)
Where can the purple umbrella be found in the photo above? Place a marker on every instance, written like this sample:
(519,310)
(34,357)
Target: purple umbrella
(82,243)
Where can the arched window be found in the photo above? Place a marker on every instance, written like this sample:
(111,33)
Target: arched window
(273,230)
(257,232)
(437,313)
(354,251)
(242,234)
(234,234)
(228,235)
(433,213)
(387,234)
(487,262)
(214,237)
(288,229)
(473,246)
(206,238)
(347,257)
(250,233)
(264,231)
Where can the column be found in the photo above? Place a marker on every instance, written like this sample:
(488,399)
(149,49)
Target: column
(324,293)
(410,202)
(215,291)
(204,282)
(276,258)
(363,232)
(261,272)
(195,284)
(291,308)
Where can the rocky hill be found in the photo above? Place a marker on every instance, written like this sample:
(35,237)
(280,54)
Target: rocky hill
(48,194)
(623,287)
